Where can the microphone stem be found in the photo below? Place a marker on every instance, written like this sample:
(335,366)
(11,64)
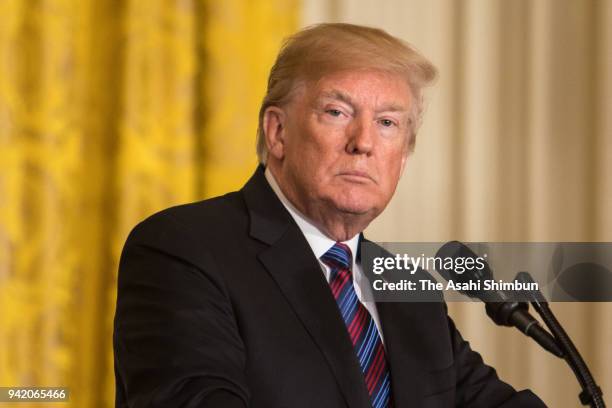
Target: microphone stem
(591,394)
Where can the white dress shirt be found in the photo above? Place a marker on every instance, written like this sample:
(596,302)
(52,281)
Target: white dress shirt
(320,244)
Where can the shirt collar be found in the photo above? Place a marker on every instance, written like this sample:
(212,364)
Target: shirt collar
(318,241)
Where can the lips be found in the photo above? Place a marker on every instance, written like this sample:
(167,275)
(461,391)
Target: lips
(356,175)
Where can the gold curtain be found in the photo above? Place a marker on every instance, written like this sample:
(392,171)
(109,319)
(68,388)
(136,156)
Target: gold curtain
(109,111)
(516,146)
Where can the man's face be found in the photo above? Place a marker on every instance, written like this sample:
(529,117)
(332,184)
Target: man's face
(344,143)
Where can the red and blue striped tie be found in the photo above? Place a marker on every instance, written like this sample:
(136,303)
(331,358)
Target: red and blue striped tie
(361,327)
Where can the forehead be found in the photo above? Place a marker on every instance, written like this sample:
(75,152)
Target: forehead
(375,88)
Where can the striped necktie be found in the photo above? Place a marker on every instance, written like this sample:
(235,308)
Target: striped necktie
(361,327)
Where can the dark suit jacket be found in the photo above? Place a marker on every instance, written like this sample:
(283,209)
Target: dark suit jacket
(221,303)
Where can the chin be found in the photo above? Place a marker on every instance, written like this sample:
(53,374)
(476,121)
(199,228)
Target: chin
(355,206)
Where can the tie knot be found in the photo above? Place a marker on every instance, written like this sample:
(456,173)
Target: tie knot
(338,256)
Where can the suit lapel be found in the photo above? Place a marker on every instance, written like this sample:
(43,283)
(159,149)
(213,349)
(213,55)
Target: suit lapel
(299,277)
(397,320)
(290,261)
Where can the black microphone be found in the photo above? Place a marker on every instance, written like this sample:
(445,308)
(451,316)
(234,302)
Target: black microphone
(591,393)
(500,309)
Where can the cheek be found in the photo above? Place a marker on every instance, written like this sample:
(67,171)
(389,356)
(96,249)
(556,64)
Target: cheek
(392,170)
(303,147)
(319,160)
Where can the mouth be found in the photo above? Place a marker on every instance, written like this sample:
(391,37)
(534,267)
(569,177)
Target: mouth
(356,176)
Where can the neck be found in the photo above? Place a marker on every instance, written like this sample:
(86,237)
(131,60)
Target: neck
(341,227)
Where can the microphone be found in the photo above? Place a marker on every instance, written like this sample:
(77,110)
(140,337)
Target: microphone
(591,393)
(499,308)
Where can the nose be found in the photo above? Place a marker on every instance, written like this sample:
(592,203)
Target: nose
(360,137)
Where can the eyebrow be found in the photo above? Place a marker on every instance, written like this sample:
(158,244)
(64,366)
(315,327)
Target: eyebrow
(338,95)
(343,97)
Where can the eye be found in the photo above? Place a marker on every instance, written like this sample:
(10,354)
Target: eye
(334,112)
(387,122)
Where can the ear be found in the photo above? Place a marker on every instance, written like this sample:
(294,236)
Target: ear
(274,130)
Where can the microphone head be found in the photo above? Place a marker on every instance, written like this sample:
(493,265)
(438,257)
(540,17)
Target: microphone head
(531,295)
(454,258)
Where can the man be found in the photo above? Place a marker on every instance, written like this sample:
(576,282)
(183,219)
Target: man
(253,299)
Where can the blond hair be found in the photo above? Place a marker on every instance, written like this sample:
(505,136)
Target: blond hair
(324,49)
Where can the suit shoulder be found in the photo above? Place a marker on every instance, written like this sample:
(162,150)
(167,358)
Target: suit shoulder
(182,221)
